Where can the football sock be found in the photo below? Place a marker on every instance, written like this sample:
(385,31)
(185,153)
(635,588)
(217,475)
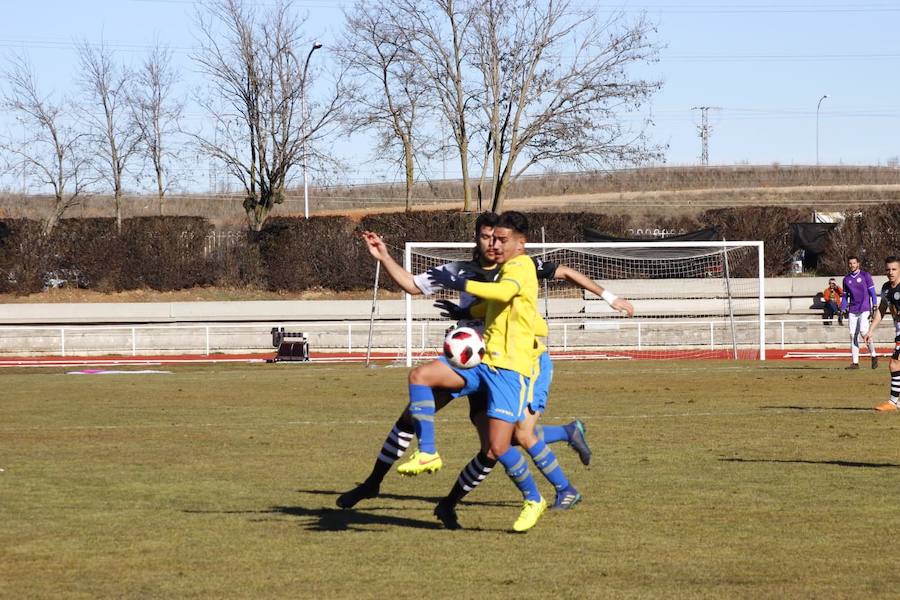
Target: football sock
(394,446)
(517,468)
(895,387)
(552,433)
(472,474)
(421,407)
(546,461)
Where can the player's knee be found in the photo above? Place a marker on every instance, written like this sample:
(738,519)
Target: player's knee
(525,437)
(418,376)
(498,449)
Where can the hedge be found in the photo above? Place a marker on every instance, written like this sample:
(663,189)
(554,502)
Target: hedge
(295,254)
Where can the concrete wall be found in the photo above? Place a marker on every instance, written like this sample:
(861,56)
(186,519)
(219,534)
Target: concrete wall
(92,329)
(784,296)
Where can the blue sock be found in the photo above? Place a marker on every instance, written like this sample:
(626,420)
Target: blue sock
(546,461)
(552,433)
(421,407)
(517,469)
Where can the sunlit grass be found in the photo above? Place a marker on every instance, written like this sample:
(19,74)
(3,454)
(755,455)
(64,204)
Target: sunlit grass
(710,479)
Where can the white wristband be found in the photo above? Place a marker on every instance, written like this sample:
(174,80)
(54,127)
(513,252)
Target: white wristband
(609,297)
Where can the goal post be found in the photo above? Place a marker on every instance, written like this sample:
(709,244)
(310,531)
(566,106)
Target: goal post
(692,299)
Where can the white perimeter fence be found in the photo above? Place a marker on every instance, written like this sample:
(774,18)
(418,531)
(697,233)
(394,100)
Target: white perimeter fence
(390,336)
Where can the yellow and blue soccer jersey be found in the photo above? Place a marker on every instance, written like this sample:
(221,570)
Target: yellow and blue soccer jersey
(511,315)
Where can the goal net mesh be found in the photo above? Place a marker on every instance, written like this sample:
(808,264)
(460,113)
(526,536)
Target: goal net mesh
(690,302)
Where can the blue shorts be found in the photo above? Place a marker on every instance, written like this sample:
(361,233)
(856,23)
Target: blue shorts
(507,390)
(540,385)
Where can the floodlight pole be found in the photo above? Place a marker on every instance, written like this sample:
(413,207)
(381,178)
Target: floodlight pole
(315,46)
(818,106)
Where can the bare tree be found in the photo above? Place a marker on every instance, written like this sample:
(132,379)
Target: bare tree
(157,114)
(257,96)
(52,153)
(112,130)
(555,85)
(437,34)
(387,94)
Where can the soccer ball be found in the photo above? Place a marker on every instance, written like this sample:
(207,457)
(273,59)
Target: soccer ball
(463,347)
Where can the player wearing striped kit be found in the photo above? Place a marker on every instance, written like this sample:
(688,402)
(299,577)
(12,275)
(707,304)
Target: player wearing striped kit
(890,302)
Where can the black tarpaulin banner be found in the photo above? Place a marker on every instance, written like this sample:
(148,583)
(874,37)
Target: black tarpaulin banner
(811,237)
(710,234)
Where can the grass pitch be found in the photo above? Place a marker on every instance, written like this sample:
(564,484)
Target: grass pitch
(710,479)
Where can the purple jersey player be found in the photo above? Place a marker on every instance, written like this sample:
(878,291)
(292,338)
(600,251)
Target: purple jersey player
(859,301)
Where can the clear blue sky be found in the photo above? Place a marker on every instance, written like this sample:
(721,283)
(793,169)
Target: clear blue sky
(763,63)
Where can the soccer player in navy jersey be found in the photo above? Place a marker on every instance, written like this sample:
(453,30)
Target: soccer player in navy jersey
(481,268)
(858,302)
(890,302)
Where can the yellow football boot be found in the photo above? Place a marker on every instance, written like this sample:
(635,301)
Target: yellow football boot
(421,462)
(530,514)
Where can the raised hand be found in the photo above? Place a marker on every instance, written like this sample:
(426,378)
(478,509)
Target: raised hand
(451,310)
(623,305)
(375,245)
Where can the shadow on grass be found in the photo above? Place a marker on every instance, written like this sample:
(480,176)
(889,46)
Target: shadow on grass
(837,463)
(336,519)
(841,408)
(432,500)
(329,519)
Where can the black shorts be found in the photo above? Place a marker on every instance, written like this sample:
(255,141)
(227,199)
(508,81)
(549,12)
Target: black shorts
(896,354)
(477,404)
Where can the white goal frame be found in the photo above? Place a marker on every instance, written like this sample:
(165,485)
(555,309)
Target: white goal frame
(533,247)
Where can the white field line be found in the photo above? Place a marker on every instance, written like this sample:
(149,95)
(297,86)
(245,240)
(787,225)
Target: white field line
(389,422)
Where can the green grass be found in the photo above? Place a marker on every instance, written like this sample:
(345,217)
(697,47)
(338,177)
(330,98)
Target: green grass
(710,480)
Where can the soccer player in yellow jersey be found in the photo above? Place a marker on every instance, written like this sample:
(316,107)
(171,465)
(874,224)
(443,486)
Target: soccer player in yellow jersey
(512,323)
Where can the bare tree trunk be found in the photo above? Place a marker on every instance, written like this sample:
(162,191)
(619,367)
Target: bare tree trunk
(156,114)
(410,177)
(258,85)
(554,82)
(52,155)
(114,132)
(436,33)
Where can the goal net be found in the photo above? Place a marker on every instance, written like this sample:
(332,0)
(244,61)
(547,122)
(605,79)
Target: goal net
(691,300)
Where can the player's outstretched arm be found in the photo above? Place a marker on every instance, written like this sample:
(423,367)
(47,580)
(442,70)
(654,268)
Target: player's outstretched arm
(583,281)
(379,252)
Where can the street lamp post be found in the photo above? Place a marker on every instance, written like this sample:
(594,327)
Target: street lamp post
(315,46)
(818,106)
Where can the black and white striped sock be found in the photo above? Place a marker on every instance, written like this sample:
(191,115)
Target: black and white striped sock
(471,476)
(396,443)
(895,387)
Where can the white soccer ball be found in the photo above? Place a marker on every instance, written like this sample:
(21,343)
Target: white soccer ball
(463,347)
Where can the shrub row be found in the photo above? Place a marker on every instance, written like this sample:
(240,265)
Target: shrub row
(162,253)
(293,254)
